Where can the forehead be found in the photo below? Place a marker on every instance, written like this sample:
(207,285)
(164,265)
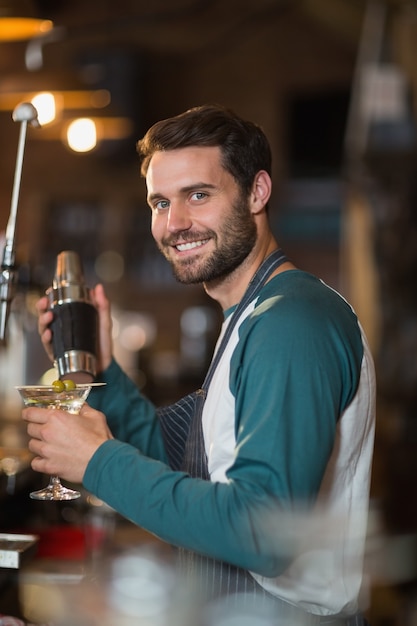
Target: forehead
(185,166)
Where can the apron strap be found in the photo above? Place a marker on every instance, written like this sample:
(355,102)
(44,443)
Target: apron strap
(195,458)
(269,265)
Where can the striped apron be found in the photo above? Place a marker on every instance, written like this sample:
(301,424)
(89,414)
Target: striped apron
(181,425)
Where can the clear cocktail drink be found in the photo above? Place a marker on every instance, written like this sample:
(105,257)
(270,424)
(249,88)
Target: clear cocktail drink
(69,400)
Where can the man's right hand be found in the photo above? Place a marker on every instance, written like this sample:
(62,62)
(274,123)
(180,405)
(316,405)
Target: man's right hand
(102,304)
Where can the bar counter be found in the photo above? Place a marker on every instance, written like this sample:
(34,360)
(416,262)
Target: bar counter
(76,544)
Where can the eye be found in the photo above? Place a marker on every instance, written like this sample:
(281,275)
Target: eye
(198,195)
(161,205)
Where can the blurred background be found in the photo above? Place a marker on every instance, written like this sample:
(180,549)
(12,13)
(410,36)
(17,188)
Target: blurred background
(333,84)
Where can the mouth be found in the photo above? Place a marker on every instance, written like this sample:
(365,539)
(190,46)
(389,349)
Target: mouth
(190,245)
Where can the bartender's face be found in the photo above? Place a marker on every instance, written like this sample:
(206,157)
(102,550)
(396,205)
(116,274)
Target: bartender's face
(201,221)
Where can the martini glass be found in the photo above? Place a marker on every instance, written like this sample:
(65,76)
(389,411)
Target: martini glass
(71,401)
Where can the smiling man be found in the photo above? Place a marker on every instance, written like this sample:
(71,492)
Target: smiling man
(202,222)
(260,478)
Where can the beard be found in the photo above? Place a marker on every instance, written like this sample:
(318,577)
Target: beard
(234,242)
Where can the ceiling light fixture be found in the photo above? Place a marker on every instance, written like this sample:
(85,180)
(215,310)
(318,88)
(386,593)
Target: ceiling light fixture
(45,104)
(82,135)
(19,21)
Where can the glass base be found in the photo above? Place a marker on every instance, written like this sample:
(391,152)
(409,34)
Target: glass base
(55,491)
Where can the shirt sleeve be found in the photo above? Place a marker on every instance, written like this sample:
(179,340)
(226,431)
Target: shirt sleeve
(131,417)
(291,382)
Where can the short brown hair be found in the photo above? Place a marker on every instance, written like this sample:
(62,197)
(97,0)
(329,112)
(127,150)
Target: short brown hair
(244,147)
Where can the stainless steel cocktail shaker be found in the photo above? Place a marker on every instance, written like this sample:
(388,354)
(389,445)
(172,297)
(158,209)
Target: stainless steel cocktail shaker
(74,327)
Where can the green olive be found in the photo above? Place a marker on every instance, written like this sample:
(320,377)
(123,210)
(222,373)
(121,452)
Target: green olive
(58,386)
(69,384)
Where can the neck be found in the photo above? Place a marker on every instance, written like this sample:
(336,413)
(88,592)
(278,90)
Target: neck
(229,290)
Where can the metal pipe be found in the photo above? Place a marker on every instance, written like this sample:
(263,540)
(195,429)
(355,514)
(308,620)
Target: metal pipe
(25,113)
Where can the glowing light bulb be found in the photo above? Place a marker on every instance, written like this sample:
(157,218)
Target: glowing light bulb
(82,135)
(45,105)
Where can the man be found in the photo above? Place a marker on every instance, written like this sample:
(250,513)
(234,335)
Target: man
(284,424)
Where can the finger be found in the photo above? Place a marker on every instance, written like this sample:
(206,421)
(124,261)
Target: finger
(44,320)
(101,302)
(105,325)
(36,431)
(44,466)
(42,305)
(36,415)
(98,422)
(36,447)
(85,410)
(46,338)
(38,464)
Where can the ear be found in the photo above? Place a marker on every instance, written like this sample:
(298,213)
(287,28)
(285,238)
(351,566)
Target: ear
(261,191)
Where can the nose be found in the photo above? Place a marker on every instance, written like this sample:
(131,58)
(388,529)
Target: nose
(178,218)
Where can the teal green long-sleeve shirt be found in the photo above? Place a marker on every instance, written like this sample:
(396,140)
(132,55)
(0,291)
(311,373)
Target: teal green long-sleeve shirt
(294,370)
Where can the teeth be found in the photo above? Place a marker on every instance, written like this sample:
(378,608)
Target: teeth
(189,246)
